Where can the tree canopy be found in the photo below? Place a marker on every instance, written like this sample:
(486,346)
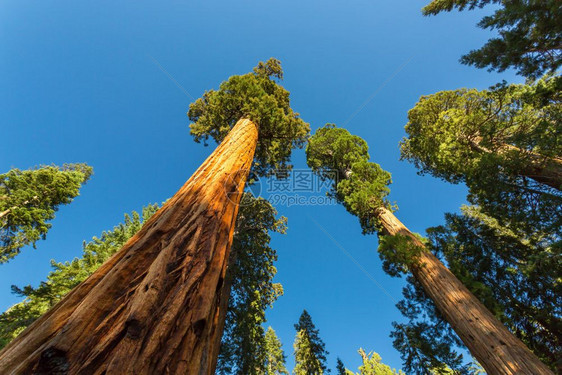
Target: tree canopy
(504,143)
(30,198)
(530,34)
(372,365)
(259,97)
(360,185)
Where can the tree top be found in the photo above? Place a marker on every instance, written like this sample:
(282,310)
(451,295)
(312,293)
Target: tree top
(360,185)
(259,97)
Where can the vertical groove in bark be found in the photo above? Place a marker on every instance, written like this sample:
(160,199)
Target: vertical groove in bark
(488,340)
(153,308)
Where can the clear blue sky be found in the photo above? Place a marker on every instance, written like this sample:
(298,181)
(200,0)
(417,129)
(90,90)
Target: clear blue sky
(79,83)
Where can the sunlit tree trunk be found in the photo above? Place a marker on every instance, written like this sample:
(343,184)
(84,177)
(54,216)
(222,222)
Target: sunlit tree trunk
(154,307)
(488,340)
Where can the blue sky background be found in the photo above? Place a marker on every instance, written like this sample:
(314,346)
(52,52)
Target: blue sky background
(79,82)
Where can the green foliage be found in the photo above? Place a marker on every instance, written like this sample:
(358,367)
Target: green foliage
(340,368)
(259,97)
(334,150)
(306,362)
(398,253)
(67,275)
(310,350)
(361,186)
(530,34)
(372,365)
(448,132)
(30,198)
(275,358)
(244,343)
(492,140)
(516,277)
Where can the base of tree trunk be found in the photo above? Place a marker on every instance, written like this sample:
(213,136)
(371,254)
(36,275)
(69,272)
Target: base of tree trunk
(154,307)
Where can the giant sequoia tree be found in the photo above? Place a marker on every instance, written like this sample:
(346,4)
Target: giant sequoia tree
(158,305)
(504,143)
(361,186)
(30,198)
(529,34)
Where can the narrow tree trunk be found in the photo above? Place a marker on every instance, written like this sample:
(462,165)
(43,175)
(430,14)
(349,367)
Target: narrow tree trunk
(488,340)
(6,212)
(543,169)
(152,308)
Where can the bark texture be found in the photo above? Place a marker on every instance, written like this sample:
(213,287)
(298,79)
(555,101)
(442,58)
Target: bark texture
(155,306)
(488,340)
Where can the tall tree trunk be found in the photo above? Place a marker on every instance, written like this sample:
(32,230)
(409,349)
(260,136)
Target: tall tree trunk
(545,170)
(153,308)
(489,341)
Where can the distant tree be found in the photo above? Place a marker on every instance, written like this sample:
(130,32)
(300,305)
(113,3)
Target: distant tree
(275,357)
(306,362)
(340,368)
(361,186)
(30,198)
(310,350)
(530,34)
(372,365)
(504,143)
(67,275)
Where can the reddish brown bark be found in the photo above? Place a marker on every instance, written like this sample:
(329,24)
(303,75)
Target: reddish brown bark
(488,340)
(154,307)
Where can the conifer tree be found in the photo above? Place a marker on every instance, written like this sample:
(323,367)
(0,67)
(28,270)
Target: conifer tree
(29,200)
(372,365)
(514,127)
(169,278)
(340,367)
(275,357)
(504,143)
(250,275)
(529,34)
(361,186)
(310,350)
